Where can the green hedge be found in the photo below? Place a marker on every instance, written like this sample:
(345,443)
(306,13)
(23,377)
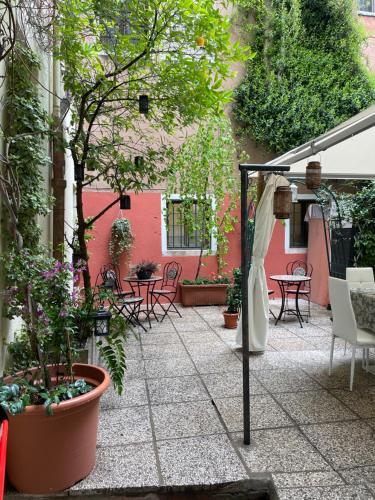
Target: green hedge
(307,76)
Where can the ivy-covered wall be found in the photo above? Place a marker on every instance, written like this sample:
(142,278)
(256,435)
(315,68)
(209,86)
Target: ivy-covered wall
(308,74)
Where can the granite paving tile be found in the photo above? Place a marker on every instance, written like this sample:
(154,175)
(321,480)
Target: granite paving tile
(264,411)
(164,326)
(190,326)
(343,444)
(268,361)
(295,344)
(277,333)
(361,400)
(177,389)
(280,450)
(330,493)
(222,385)
(121,467)
(311,359)
(177,420)
(290,380)
(307,479)
(199,337)
(124,426)
(135,368)
(217,364)
(166,351)
(339,379)
(359,475)
(314,407)
(160,338)
(208,348)
(133,351)
(134,395)
(156,368)
(200,460)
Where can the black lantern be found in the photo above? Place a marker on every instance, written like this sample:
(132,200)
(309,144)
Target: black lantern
(79,173)
(143,104)
(125,202)
(138,161)
(102,319)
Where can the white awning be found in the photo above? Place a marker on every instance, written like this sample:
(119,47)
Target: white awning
(347,151)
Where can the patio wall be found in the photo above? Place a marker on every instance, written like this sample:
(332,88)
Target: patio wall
(146,220)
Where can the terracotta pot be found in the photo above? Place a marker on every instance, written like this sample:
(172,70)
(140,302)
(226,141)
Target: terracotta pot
(47,454)
(203,295)
(230,320)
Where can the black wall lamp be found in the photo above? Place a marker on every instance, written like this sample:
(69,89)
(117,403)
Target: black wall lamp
(143,104)
(125,202)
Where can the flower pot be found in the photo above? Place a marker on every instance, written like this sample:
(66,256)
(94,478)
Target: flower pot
(230,319)
(203,295)
(143,275)
(47,454)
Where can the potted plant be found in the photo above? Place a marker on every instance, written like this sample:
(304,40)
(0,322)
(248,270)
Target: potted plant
(121,239)
(204,291)
(234,300)
(145,269)
(52,402)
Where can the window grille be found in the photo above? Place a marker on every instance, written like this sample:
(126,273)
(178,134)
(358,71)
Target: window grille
(178,235)
(366,6)
(299,229)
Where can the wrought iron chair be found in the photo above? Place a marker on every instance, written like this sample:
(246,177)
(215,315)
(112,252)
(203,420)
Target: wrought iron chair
(168,290)
(125,302)
(300,268)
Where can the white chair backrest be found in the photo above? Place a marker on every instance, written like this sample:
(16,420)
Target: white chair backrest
(344,323)
(360,277)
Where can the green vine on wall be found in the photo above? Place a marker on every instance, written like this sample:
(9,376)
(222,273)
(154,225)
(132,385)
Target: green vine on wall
(121,239)
(27,128)
(308,74)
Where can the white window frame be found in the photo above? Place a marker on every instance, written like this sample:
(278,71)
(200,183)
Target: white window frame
(182,252)
(288,248)
(368,12)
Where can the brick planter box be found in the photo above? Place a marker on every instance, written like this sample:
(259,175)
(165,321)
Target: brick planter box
(203,295)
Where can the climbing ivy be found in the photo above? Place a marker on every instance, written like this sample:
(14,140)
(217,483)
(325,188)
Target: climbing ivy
(27,128)
(307,75)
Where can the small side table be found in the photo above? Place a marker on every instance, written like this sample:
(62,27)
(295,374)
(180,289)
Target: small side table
(285,281)
(137,284)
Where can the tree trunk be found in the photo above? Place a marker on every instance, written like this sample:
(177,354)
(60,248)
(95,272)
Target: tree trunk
(83,254)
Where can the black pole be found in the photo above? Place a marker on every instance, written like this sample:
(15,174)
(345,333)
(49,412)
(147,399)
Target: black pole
(245,309)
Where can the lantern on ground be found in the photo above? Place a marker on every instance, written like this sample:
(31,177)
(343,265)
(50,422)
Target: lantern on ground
(313,175)
(125,202)
(102,319)
(282,201)
(294,189)
(143,104)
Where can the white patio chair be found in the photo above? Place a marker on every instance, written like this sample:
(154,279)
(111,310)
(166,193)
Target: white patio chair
(344,323)
(360,277)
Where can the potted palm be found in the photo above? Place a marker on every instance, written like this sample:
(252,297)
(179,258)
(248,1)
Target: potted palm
(52,402)
(233,302)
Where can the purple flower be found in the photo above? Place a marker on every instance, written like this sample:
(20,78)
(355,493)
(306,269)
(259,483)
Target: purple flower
(63,313)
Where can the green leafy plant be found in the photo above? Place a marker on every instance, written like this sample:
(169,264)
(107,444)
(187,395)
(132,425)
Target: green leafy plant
(308,74)
(214,280)
(145,267)
(121,239)
(202,173)
(40,293)
(234,295)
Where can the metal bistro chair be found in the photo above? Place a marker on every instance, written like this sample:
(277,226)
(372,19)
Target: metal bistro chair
(125,302)
(300,268)
(171,275)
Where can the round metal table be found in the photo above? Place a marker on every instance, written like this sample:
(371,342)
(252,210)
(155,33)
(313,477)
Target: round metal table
(148,285)
(285,281)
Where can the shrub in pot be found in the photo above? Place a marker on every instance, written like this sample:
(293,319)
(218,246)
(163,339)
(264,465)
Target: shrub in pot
(234,300)
(52,402)
(145,269)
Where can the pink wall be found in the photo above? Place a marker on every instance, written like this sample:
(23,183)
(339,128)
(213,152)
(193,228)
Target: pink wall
(145,219)
(369,48)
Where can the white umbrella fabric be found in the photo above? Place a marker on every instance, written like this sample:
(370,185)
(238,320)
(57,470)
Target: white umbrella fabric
(257,282)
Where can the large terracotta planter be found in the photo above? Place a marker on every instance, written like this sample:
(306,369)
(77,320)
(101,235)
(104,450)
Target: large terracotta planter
(230,320)
(47,454)
(203,295)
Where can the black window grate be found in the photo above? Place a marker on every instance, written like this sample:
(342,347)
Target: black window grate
(366,6)
(178,236)
(299,229)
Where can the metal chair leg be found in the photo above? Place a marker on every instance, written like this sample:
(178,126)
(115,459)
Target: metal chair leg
(352,367)
(331,355)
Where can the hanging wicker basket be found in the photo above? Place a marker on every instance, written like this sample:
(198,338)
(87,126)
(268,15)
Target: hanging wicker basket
(313,175)
(282,202)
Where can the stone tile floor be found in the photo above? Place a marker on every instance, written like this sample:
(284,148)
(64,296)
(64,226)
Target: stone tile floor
(180,419)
